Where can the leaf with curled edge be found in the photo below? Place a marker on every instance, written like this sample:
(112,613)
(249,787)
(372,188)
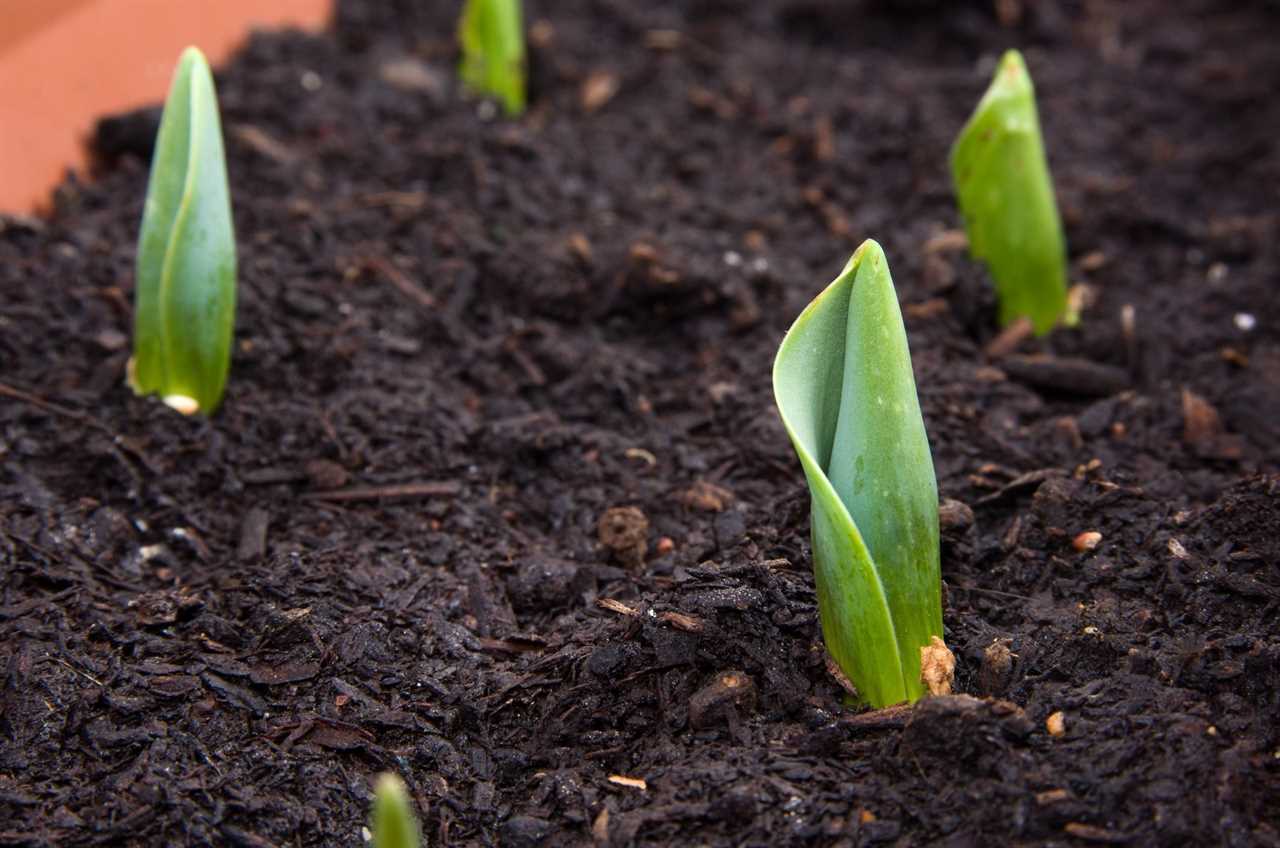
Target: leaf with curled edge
(846,393)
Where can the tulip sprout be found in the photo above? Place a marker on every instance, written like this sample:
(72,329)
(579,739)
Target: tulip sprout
(393,824)
(493,63)
(844,387)
(186,261)
(1006,198)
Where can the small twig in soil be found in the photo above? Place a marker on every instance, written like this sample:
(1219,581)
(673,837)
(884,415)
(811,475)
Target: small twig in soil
(616,606)
(629,782)
(95,681)
(1021,483)
(965,588)
(84,418)
(401,281)
(887,718)
(1093,833)
(411,201)
(1009,339)
(511,646)
(430,488)
(680,621)
(40,403)
(260,142)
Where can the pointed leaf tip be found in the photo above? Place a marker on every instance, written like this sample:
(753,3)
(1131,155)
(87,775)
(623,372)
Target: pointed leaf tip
(393,823)
(192,53)
(1013,65)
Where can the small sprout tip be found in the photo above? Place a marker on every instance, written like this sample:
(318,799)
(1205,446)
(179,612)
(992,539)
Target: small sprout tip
(1006,199)
(184,310)
(393,824)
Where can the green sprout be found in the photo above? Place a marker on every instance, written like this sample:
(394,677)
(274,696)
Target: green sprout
(186,265)
(393,824)
(1006,197)
(844,387)
(492,37)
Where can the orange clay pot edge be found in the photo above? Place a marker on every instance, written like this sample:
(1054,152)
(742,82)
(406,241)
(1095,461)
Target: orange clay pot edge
(65,63)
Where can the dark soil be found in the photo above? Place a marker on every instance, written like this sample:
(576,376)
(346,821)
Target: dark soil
(463,341)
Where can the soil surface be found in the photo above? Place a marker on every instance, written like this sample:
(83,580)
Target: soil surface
(498,498)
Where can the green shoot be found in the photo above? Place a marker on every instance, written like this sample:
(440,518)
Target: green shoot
(393,824)
(844,387)
(186,263)
(1006,197)
(493,63)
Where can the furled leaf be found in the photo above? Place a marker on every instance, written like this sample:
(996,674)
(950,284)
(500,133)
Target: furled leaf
(1006,196)
(184,313)
(493,62)
(393,824)
(844,387)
